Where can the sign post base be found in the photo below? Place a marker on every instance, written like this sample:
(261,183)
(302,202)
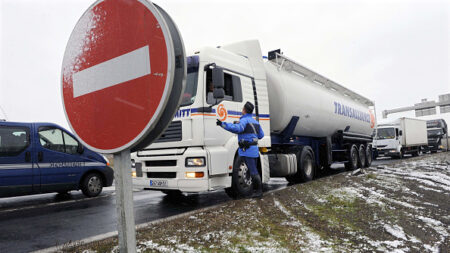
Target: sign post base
(124,202)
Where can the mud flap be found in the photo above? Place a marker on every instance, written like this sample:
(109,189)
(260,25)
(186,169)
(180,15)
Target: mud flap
(265,169)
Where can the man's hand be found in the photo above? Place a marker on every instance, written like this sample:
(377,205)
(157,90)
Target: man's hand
(219,123)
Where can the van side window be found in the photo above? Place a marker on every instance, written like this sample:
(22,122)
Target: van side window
(13,140)
(51,138)
(71,145)
(232,83)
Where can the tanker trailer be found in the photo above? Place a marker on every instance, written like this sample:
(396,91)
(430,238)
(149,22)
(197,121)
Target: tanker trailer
(309,123)
(319,121)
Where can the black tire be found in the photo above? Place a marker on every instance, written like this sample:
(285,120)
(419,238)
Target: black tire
(352,163)
(92,185)
(362,156)
(172,193)
(401,154)
(416,153)
(433,151)
(368,156)
(305,166)
(241,181)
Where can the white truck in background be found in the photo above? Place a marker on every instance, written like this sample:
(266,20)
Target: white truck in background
(309,123)
(403,136)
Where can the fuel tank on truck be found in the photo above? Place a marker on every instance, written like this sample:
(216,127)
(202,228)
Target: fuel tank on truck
(323,106)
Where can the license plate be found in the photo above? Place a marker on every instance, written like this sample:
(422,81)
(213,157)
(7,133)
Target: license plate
(158,183)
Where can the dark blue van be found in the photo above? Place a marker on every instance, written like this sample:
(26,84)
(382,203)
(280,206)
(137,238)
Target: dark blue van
(44,157)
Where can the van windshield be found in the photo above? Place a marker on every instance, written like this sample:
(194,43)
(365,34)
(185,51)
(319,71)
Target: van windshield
(386,133)
(191,81)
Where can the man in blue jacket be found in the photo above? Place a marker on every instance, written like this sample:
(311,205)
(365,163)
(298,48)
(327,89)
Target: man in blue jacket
(249,131)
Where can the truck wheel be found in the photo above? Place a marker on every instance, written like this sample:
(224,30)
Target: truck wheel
(400,155)
(305,166)
(241,181)
(368,156)
(417,153)
(352,163)
(92,185)
(362,156)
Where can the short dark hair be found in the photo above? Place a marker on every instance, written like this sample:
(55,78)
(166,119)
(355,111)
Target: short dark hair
(249,107)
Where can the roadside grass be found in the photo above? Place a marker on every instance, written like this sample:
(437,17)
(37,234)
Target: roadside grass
(341,213)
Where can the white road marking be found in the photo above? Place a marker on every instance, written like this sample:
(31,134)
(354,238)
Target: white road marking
(120,69)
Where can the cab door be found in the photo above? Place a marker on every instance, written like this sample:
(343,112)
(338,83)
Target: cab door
(16,165)
(229,110)
(60,163)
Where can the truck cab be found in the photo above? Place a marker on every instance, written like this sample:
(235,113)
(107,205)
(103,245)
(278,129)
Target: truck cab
(437,135)
(194,154)
(44,157)
(387,141)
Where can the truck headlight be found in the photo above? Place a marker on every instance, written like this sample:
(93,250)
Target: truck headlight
(195,162)
(133,163)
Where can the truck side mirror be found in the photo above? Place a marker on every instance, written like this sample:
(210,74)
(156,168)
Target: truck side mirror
(217,78)
(80,149)
(400,133)
(219,93)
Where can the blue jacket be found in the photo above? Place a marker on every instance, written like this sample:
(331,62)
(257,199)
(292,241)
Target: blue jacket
(240,127)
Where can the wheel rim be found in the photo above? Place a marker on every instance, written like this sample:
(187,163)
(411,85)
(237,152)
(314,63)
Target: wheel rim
(308,166)
(244,175)
(354,156)
(94,184)
(362,156)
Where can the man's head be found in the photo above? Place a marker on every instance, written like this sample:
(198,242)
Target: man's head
(248,108)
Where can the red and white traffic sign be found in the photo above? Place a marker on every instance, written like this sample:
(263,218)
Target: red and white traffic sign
(118,74)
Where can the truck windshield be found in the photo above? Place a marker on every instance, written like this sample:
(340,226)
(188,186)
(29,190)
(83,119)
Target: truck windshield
(191,81)
(386,133)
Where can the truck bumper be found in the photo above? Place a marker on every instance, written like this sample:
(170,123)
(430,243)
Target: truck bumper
(388,152)
(169,172)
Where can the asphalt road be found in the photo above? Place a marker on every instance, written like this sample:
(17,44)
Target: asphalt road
(31,223)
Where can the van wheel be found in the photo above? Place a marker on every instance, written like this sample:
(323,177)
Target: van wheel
(241,181)
(368,156)
(92,185)
(361,156)
(352,163)
(305,166)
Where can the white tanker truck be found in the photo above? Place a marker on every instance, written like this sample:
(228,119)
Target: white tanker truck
(310,122)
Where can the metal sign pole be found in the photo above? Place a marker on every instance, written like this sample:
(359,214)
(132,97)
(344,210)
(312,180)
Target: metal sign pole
(124,202)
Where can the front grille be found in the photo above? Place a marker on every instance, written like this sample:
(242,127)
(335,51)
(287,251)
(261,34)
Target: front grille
(172,133)
(381,146)
(163,163)
(161,174)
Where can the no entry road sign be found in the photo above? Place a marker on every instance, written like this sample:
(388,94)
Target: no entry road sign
(123,75)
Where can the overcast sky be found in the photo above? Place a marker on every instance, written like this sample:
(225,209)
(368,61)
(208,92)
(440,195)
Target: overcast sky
(393,52)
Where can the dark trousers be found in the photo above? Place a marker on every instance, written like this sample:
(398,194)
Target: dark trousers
(251,165)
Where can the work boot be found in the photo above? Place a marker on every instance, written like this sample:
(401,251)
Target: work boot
(257,184)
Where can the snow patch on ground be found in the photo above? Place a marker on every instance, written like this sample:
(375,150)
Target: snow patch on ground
(396,231)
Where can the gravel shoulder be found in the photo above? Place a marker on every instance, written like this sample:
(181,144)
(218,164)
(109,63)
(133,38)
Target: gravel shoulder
(400,207)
